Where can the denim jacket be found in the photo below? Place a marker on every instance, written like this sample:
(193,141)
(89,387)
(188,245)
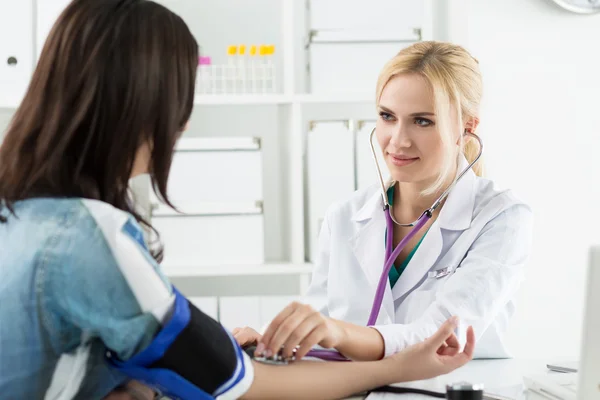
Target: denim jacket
(65,297)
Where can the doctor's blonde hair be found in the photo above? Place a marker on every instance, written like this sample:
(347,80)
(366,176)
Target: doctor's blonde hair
(455,79)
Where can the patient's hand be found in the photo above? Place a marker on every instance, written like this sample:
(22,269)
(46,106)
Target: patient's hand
(246,336)
(133,390)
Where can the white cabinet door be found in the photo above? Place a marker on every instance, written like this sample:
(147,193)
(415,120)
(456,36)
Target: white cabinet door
(271,306)
(47,13)
(351,40)
(349,67)
(239,312)
(208,305)
(399,15)
(16,50)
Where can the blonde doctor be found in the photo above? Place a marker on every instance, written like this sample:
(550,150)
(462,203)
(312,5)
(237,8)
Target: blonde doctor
(467,261)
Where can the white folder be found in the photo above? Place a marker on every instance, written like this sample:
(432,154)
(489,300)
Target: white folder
(330,170)
(366,171)
(216,170)
(212,234)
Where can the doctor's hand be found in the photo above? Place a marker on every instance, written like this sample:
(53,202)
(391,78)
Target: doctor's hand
(437,355)
(246,336)
(299,325)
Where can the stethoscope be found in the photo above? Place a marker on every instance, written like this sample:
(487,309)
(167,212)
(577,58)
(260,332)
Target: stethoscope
(392,253)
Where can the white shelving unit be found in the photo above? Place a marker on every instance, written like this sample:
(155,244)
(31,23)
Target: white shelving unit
(180,271)
(293,108)
(282,119)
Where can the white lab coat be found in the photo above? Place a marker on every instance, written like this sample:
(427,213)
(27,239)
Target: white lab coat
(483,234)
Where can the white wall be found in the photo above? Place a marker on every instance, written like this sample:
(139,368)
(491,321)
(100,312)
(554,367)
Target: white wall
(540,122)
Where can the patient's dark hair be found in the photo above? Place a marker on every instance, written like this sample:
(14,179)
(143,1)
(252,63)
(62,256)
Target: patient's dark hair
(112,76)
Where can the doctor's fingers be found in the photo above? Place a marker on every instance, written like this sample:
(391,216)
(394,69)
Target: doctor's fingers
(303,331)
(311,340)
(287,329)
(245,336)
(278,320)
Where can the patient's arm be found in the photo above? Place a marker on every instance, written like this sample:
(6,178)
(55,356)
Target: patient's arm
(317,380)
(201,356)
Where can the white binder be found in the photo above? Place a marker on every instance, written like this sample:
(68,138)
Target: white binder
(217,184)
(330,173)
(216,170)
(366,172)
(212,234)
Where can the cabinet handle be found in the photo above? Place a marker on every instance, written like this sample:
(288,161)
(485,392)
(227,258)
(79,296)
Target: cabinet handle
(12,61)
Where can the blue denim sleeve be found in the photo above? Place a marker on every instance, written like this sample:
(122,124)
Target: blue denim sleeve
(101,282)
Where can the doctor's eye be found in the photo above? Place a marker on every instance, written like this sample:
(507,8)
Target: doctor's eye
(386,116)
(424,122)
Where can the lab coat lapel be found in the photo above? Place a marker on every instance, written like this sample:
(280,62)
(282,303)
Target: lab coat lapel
(422,261)
(369,248)
(456,215)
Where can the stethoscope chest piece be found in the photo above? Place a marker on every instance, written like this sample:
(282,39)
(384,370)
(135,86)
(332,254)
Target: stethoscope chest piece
(464,391)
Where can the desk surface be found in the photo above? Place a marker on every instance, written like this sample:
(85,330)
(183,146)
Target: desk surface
(499,377)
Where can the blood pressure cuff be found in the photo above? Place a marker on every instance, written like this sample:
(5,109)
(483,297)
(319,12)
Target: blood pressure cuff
(192,357)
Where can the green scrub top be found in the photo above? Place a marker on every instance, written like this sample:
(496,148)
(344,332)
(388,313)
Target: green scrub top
(395,272)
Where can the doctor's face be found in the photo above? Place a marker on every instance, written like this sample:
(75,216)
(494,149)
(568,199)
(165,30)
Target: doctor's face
(407,132)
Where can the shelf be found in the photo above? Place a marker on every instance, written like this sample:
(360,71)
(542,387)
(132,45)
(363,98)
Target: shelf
(206,209)
(267,99)
(211,144)
(241,99)
(335,98)
(174,271)
(270,99)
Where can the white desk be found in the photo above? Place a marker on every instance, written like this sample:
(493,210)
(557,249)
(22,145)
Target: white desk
(501,377)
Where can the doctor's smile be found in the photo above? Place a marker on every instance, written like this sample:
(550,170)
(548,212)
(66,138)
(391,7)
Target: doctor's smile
(402,160)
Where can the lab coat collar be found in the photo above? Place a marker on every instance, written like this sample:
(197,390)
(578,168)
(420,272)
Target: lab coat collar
(456,213)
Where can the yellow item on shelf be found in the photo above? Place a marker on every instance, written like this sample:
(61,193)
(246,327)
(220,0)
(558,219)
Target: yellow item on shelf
(242,49)
(232,50)
(253,50)
(263,50)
